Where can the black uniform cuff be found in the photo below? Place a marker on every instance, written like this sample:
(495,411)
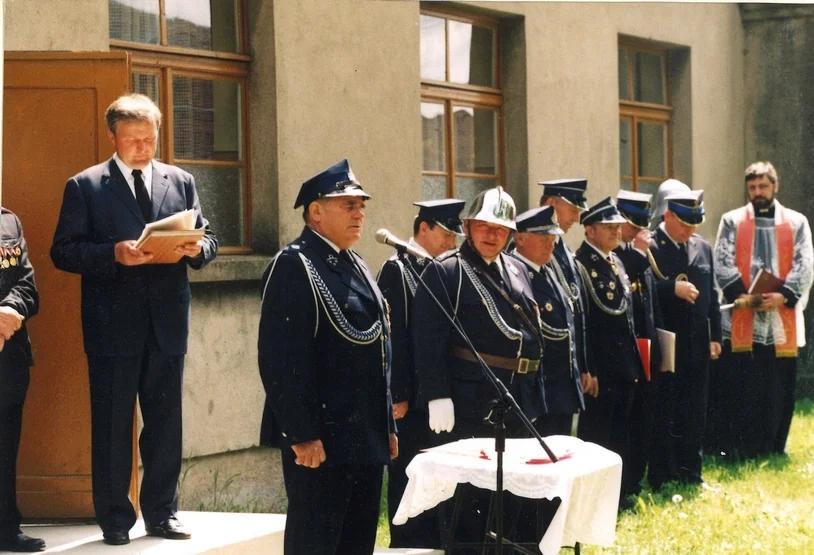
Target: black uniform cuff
(790,296)
(734,290)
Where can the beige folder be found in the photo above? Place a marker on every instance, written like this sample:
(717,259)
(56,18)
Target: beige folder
(667,344)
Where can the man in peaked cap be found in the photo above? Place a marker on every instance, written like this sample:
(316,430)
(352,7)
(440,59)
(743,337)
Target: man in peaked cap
(667,188)
(682,263)
(633,249)
(490,294)
(435,231)
(324,357)
(19,301)
(612,351)
(567,196)
(537,233)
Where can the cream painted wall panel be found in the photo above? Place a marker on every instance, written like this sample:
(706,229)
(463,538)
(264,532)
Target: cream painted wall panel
(72,25)
(348,86)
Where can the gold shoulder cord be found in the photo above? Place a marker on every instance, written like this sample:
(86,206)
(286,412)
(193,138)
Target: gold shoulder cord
(651,258)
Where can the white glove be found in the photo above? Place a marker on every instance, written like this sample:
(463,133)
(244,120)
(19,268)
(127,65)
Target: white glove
(442,415)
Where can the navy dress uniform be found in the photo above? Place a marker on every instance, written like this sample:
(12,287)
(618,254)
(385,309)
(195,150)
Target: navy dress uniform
(398,285)
(684,395)
(561,372)
(636,209)
(18,292)
(324,358)
(495,307)
(613,353)
(563,263)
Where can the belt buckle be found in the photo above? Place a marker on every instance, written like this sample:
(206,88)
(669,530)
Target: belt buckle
(523,366)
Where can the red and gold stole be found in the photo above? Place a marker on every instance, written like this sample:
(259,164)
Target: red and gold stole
(742,319)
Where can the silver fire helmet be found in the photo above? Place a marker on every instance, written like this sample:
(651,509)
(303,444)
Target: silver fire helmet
(494,206)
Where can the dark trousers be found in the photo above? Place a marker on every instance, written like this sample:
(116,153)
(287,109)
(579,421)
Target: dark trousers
(642,423)
(11,421)
(663,466)
(690,418)
(760,403)
(606,420)
(536,514)
(332,510)
(114,383)
(422,530)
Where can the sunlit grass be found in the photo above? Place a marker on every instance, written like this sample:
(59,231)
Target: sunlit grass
(760,506)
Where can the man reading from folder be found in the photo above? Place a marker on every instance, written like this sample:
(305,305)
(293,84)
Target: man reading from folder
(761,342)
(135,316)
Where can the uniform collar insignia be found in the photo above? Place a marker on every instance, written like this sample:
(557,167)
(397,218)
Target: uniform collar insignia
(332,260)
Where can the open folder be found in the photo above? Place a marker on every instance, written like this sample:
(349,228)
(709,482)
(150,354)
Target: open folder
(160,238)
(667,343)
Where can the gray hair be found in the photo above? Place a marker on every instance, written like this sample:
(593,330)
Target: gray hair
(132,107)
(758,170)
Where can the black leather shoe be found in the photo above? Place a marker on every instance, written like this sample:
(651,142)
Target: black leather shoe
(22,544)
(170,529)
(116,536)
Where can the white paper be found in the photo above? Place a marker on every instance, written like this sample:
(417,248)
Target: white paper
(667,343)
(180,221)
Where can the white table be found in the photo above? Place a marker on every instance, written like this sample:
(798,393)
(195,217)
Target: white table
(588,483)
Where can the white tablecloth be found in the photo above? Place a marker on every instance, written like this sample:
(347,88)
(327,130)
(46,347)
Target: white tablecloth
(588,482)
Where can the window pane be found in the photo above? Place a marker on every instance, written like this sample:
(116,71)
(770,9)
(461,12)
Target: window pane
(134,20)
(433,48)
(649,77)
(206,119)
(147,84)
(624,83)
(652,149)
(625,144)
(471,54)
(221,195)
(475,140)
(649,187)
(433,134)
(202,24)
(626,184)
(467,188)
(435,187)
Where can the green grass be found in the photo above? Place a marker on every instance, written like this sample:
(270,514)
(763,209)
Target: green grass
(761,506)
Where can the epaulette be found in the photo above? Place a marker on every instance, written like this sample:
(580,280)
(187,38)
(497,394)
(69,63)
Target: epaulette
(294,247)
(447,255)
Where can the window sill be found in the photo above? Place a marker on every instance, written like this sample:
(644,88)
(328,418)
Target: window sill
(234,267)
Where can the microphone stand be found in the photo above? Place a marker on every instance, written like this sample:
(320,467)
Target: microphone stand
(500,408)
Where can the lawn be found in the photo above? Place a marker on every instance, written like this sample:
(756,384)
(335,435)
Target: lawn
(761,506)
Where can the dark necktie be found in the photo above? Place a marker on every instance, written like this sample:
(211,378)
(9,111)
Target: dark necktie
(497,275)
(346,256)
(142,197)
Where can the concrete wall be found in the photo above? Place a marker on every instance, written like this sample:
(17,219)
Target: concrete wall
(779,57)
(72,25)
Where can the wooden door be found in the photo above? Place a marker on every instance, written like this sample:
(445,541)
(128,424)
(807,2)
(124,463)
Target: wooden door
(54,127)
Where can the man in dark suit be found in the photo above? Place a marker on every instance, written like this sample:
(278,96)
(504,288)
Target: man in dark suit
(19,301)
(135,316)
(489,292)
(613,353)
(682,262)
(435,231)
(537,233)
(324,357)
(567,196)
(635,208)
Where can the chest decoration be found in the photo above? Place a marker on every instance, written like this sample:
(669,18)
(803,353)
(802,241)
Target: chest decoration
(595,296)
(491,306)
(9,257)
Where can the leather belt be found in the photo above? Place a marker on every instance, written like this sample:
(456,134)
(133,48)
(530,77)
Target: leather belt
(519,365)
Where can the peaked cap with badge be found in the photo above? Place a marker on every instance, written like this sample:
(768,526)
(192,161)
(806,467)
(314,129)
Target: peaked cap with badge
(541,221)
(635,207)
(603,212)
(570,190)
(445,212)
(335,181)
(688,206)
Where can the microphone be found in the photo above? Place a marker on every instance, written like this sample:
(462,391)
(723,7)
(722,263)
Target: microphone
(384,237)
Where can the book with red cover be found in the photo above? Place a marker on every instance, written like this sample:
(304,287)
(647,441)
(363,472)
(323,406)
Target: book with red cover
(765,282)
(644,352)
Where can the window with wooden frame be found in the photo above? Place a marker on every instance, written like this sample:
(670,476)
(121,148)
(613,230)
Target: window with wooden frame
(461,103)
(645,114)
(190,57)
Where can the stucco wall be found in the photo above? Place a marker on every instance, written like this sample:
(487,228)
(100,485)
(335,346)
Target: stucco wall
(72,25)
